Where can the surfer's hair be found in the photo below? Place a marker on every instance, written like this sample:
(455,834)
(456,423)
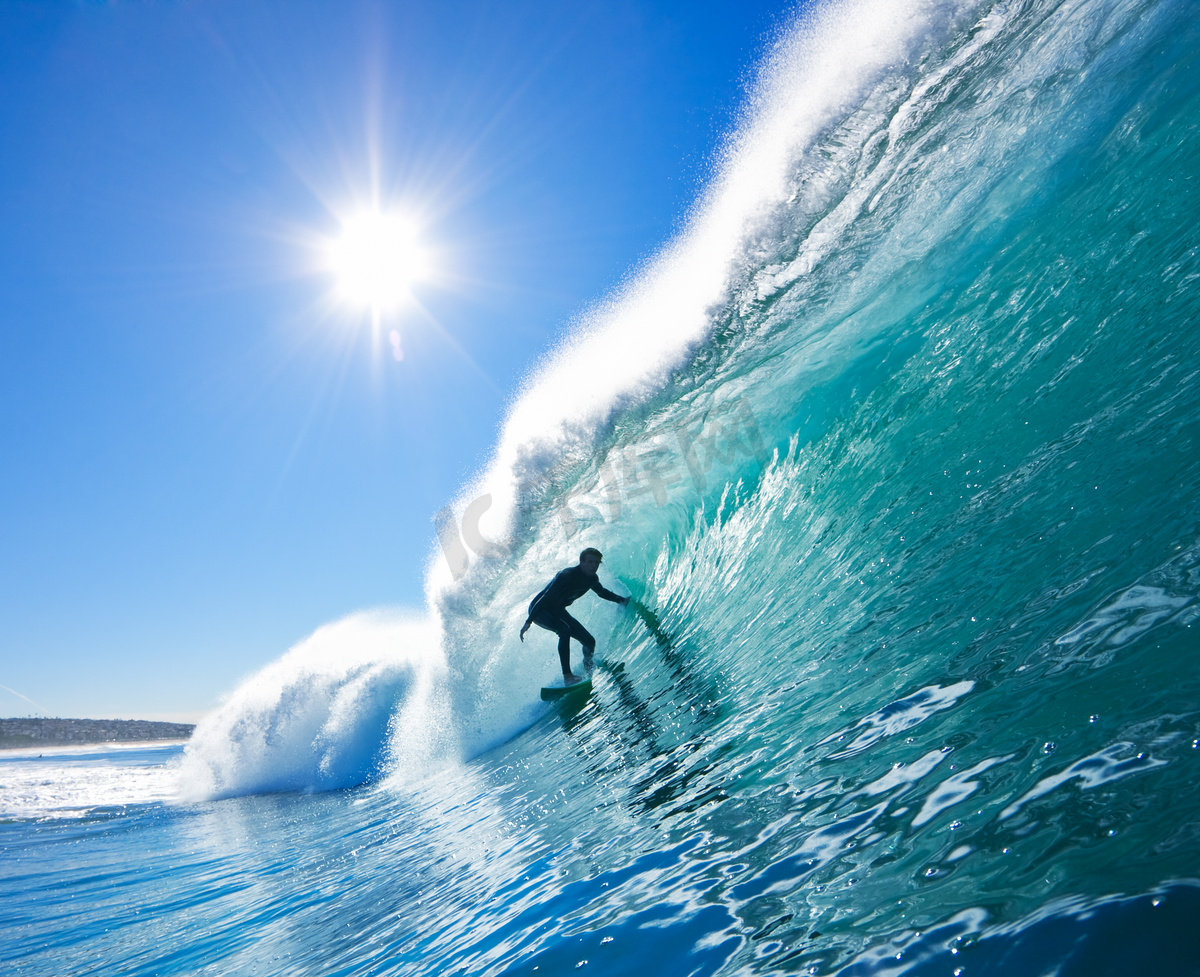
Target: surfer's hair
(591,551)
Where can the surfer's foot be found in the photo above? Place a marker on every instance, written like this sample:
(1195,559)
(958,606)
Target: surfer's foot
(569,679)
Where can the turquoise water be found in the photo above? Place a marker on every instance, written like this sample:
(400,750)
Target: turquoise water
(896,450)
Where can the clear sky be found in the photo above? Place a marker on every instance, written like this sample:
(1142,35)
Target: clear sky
(206,450)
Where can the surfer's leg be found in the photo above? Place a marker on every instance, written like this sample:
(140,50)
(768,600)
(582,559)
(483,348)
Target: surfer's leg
(566,627)
(560,624)
(564,653)
(584,637)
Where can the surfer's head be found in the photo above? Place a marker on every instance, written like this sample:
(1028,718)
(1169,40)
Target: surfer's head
(589,560)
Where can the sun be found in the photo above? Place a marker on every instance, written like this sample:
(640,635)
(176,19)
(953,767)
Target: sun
(377,259)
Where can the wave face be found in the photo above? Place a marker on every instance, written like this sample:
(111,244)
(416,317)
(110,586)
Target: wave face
(896,447)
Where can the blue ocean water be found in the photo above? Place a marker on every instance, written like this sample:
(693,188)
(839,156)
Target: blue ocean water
(896,449)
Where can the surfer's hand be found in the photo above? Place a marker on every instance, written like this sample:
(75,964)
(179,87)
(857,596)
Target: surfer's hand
(523,630)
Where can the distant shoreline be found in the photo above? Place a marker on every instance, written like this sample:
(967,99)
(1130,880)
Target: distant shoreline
(16,734)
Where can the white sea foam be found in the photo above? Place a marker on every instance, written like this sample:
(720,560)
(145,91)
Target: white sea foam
(325,715)
(77,781)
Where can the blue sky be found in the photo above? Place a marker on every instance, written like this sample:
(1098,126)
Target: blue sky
(204,456)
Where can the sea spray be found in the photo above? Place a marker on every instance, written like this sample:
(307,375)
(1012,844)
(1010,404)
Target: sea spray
(355,695)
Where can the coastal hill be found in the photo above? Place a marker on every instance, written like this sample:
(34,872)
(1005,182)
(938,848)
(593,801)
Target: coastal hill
(17,733)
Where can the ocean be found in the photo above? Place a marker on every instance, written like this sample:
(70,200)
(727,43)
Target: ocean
(895,447)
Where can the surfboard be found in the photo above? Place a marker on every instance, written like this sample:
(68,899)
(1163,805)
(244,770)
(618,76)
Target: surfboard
(582,687)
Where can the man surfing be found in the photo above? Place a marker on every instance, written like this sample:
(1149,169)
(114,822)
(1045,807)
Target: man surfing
(549,609)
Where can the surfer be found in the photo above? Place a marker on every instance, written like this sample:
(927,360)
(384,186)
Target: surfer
(549,609)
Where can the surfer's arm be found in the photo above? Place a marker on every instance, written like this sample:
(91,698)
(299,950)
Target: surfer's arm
(607,594)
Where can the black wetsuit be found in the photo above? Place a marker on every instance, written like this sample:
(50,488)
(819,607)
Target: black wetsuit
(549,610)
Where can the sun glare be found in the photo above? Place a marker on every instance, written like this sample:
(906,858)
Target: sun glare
(377,259)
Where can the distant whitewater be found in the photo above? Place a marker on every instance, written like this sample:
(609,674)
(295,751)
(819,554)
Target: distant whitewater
(897,444)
